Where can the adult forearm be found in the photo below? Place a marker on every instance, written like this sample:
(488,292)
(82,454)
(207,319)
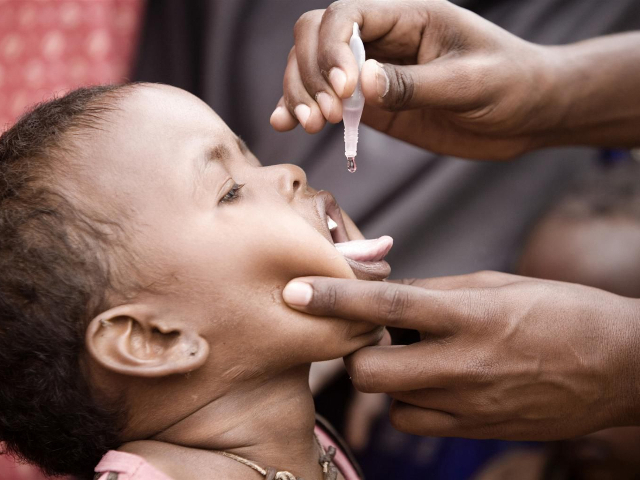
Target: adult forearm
(594,92)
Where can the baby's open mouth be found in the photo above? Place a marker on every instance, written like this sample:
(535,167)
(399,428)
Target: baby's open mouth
(365,257)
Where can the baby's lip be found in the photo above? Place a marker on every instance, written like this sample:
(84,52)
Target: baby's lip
(365,257)
(328,207)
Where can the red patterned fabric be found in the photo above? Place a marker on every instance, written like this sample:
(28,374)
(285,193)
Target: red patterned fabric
(50,46)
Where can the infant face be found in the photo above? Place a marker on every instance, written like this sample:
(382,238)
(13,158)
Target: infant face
(223,233)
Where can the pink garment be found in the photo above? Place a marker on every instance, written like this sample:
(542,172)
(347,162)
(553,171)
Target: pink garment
(128,467)
(133,467)
(340,460)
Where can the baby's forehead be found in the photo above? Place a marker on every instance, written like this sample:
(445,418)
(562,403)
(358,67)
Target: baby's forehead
(169,108)
(148,147)
(151,123)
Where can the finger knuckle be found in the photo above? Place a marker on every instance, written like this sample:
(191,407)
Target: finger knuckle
(409,419)
(289,101)
(401,88)
(392,304)
(335,9)
(473,311)
(312,80)
(306,21)
(479,370)
(398,418)
(362,373)
(325,297)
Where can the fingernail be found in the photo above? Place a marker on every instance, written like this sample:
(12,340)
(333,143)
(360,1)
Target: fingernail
(277,112)
(382,81)
(297,293)
(325,101)
(337,78)
(302,112)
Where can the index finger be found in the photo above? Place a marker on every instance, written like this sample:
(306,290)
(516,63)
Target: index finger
(402,368)
(398,25)
(391,304)
(335,58)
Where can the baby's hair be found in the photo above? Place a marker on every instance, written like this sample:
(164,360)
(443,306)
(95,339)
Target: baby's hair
(603,192)
(55,277)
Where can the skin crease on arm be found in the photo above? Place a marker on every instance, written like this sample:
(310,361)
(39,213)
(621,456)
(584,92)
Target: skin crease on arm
(478,90)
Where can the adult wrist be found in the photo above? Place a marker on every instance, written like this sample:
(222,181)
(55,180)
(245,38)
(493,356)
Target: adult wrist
(554,96)
(592,96)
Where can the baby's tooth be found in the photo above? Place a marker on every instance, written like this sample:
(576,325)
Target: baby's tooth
(331,224)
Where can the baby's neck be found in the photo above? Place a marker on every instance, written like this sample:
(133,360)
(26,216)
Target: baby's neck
(270,423)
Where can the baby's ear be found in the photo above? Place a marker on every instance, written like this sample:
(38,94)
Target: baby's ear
(132,340)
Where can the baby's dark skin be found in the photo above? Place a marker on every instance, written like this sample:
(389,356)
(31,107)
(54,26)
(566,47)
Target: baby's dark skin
(209,358)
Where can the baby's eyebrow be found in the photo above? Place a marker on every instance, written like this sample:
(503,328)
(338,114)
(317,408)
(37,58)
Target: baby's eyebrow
(212,154)
(222,152)
(218,152)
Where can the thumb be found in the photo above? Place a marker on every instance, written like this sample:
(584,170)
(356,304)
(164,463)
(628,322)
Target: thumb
(405,87)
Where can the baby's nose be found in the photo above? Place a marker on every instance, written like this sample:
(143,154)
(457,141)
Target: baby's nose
(290,179)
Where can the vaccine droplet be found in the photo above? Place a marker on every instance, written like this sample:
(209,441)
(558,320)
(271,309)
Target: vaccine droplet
(351,164)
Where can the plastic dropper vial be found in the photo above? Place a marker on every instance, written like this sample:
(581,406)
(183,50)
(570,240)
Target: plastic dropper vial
(352,107)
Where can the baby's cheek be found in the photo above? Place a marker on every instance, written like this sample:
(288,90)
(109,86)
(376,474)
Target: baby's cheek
(298,250)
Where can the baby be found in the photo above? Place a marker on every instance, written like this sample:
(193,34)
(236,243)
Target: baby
(143,251)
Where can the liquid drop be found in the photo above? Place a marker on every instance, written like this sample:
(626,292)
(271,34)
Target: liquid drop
(351,164)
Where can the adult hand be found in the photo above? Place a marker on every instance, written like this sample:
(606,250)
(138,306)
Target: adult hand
(451,82)
(501,356)
(454,83)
